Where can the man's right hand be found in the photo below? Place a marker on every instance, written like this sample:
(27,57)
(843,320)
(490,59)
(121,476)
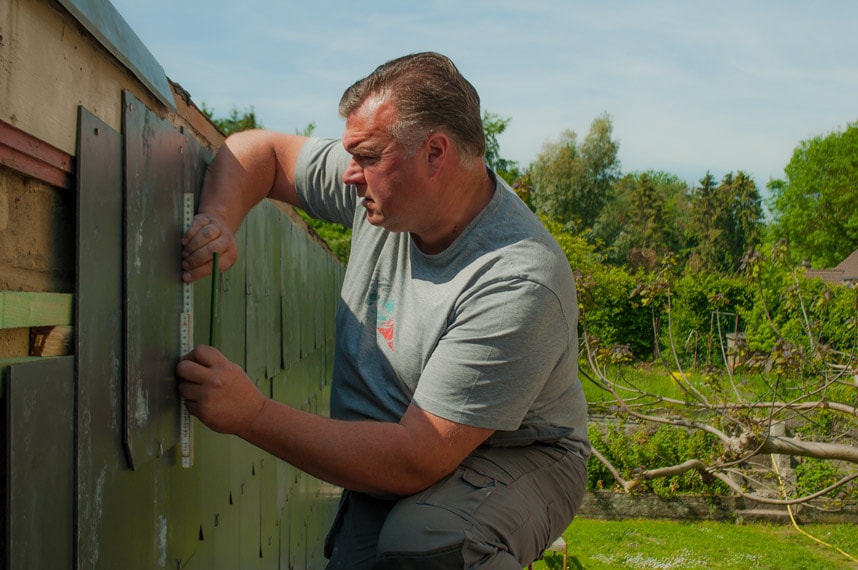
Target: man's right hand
(206,235)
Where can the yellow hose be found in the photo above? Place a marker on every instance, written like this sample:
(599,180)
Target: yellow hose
(792,517)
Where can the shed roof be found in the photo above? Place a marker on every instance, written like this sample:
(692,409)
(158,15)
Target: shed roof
(103,21)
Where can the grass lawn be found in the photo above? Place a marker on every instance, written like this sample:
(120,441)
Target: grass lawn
(649,544)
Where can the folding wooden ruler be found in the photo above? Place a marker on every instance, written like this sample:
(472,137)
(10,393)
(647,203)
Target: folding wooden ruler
(186,341)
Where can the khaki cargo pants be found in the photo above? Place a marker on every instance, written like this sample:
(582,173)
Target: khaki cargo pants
(499,510)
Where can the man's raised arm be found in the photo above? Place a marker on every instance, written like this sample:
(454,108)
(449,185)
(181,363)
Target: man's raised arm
(249,166)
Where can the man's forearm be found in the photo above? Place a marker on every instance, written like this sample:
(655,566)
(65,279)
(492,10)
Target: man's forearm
(374,457)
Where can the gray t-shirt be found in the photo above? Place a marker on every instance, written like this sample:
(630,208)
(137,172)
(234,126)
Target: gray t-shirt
(483,334)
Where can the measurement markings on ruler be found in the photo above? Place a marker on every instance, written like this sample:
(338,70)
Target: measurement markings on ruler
(186,340)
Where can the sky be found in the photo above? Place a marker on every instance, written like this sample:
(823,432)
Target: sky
(691,87)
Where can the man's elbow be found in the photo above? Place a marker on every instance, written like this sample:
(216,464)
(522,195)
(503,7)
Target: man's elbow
(416,482)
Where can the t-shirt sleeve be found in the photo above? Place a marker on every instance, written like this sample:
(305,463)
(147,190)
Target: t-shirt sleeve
(493,361)
(319,182)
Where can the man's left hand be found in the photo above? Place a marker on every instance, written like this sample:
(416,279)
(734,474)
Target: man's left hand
(218,391)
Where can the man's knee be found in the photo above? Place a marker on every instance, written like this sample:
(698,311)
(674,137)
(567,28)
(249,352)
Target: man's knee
(420,531)
(421,536)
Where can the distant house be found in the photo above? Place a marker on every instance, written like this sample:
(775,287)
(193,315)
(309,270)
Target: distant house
(846,273)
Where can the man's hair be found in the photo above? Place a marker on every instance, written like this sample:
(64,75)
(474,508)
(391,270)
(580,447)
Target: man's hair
(429,95)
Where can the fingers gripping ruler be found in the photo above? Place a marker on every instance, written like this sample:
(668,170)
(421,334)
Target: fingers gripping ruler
(186,340)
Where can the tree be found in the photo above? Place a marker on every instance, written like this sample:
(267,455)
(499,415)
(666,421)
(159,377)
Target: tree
(573,182)
(646,224)
(710,224)
(235,122)
(307,131)
(747,216)
(494,126)
(607,306)
(647,217)
(726,221)
(814,208)
(648,213)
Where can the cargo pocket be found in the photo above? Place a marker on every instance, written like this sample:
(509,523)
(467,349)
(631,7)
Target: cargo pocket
(465,490)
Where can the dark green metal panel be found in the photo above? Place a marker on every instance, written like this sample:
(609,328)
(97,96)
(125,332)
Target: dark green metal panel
(298,513)
(98,335)
(237,507)
(273,291)
(257,287)
(290,294)
(128,519)
(184,501)
(269,547)
(214,457)
(233,304)
(307,317)
(296,324)
(249,502)
(204,557)
(155,183)
(225,538)
(39,404)
(318,263)
(222,458)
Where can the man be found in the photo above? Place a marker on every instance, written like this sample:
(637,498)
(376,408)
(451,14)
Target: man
(458,426)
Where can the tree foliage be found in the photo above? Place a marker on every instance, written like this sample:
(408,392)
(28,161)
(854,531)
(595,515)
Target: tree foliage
(572,181)
(815,207)
(493,126)
(747,221)
(235,122)
(647,218)
(726,221)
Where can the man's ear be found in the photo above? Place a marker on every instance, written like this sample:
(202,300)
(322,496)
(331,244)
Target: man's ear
(438,150)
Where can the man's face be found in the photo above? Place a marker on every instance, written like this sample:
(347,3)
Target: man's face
(389,183)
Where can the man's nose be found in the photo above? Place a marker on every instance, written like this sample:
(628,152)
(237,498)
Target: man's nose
(353,174)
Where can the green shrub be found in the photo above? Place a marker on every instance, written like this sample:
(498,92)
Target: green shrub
(633,449)
(814,474)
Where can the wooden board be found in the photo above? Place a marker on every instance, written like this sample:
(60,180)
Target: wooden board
(25,309)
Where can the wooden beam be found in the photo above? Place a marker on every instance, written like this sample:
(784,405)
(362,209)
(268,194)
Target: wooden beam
(25,309)
(30,156)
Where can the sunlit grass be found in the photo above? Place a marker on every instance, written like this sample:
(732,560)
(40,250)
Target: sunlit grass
(647,544)
(653,380)
(674,384)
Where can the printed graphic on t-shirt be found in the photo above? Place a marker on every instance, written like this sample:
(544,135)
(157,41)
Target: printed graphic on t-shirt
(384,322)
(383,309)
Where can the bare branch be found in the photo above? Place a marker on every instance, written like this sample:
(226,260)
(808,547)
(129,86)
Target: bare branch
(770,501)
(817,449)
(626,485)
(820,405)
(673,470)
